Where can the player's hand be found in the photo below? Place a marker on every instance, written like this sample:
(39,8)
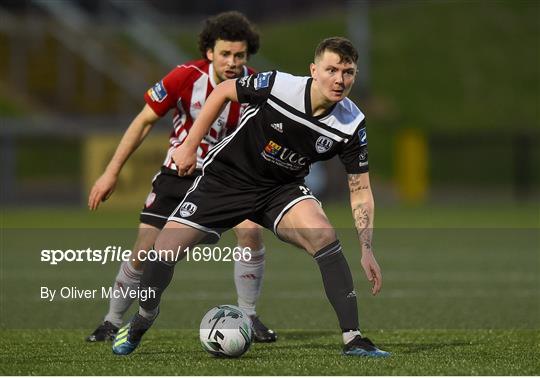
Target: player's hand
(102,190)
(185,159)
(372,270)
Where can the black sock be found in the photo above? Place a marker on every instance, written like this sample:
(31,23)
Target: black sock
(157,275)
(338,284)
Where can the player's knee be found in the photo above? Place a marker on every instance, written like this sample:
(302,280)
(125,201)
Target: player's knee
(140,253)
(249,235)
(166,250)
(320,238)
(146,238)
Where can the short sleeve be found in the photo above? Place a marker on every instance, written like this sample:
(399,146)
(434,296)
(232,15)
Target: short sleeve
(256,88)
(164,94)
(354,154)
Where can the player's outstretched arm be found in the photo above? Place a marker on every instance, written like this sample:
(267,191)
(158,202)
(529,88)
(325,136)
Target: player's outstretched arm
(363,209)
(132,138)
(185,156)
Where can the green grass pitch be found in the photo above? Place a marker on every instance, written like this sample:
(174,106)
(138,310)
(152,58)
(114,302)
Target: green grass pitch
(175,352)
(460,297)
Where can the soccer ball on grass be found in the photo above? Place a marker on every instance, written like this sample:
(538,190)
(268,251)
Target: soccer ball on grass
(226,331)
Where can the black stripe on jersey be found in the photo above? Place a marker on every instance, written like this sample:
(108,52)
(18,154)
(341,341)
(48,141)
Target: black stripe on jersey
(309,118)
(248,113)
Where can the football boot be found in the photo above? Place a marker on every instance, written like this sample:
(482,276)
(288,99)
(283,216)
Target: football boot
(129,336)
(362,346)
(261,333)
(104,332)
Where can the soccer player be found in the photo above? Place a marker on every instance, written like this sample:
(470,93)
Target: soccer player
(226,42)
(258,173)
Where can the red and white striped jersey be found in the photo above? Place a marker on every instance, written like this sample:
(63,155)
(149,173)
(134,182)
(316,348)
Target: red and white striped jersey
(185,89)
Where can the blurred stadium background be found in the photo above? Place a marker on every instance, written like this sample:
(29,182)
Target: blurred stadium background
(451,90)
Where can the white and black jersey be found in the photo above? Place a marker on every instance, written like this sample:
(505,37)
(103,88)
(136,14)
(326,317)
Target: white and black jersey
(258,172)
(278,137)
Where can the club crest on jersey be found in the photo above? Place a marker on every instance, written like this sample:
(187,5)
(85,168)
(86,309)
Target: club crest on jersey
(187,209)
(323,144)
(262,80)
(362,135)
(272,148)
(157,93)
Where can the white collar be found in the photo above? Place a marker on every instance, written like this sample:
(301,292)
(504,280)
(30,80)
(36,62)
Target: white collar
(211,74)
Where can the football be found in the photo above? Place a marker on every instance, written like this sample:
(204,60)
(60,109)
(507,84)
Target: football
(225,331)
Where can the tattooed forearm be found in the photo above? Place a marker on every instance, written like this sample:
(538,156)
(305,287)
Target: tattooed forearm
(362,208)
(355,184)
(363,222)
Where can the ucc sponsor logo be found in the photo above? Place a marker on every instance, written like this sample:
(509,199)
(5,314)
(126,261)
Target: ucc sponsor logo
(284,156)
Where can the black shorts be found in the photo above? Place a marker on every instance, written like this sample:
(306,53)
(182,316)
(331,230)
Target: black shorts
(214,205)
(168,190)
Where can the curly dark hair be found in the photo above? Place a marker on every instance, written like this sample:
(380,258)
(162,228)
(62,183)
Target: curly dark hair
(228,26)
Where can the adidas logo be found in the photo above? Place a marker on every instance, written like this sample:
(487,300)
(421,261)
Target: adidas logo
(277,126)
(352,294)
(197,105)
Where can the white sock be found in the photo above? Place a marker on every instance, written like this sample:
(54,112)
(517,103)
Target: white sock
(127,278)
(349,335)
(248,276)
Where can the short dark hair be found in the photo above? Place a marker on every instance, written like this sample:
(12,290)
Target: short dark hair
(228,26)
(339,45)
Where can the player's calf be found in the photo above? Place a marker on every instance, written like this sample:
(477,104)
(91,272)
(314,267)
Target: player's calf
(338,284)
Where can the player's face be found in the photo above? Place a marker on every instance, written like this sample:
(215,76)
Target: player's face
(333,79)
(228,59)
